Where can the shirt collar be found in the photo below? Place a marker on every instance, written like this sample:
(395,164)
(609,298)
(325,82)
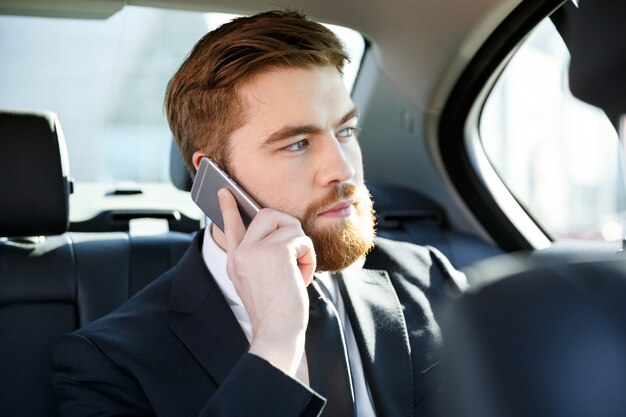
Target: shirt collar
(215,260)
(330,282)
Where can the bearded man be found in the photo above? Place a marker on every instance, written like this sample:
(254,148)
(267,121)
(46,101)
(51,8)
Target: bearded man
(288,317)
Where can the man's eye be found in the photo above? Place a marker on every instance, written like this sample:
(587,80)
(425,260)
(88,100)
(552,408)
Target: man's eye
(348,132)
(297,146)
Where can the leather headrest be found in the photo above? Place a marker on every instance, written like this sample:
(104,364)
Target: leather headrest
(34,174)
(395,204)
(179,174)
(598,47)
(548,341)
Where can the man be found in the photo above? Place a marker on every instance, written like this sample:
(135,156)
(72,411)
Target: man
(227,331)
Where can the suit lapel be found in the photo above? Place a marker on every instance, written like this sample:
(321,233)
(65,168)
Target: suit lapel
(210,330)
(378,323)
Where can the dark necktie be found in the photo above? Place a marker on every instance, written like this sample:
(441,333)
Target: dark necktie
(327,356)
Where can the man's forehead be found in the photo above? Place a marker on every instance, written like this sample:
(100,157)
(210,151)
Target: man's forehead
(270,86)
(297,96)
(306,121)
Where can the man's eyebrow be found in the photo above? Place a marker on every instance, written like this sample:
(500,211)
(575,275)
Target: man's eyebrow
(354,112)
(291,131)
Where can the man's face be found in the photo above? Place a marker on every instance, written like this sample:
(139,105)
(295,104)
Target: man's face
(298,153)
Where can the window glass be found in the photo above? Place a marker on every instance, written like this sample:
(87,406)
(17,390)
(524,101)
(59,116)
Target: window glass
(559,156)
(106,80)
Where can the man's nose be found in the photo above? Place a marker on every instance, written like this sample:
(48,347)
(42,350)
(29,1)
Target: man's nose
(335,164)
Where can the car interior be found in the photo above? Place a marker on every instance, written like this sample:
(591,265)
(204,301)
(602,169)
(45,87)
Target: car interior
(75,245)
(547,337)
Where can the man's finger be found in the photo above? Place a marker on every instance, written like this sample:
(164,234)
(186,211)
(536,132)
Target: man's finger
(267,221)
(234,229)
(305,255)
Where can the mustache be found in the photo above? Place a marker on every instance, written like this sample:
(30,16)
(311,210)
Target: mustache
(338,192)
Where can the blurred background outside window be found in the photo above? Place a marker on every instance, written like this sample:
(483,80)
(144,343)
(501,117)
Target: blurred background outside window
(559,156)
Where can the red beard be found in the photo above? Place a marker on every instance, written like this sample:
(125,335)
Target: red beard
(339,246)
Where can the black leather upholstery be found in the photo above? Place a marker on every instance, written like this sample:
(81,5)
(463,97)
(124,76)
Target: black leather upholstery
(409,216)
(37,305)
(547,342)
(34,176)
(112,267)
(52,285)
(597,41)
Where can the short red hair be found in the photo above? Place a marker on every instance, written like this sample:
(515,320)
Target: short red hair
(202,102)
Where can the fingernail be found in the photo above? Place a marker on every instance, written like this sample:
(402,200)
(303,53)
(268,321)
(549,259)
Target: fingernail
(220,194)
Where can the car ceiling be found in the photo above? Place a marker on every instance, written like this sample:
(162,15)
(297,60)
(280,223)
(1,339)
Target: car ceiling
(422,45)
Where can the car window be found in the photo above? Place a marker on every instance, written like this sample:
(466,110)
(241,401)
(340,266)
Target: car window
(559,156)
(106,80)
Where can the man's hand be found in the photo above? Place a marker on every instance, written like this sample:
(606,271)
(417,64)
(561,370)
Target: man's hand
(270,265)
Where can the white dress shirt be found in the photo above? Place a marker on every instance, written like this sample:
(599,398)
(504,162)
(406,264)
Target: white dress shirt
(215,259)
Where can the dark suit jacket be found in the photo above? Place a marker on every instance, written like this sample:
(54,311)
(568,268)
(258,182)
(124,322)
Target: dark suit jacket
(176,349)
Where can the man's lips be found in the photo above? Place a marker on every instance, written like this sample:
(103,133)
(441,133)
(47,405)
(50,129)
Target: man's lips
(341,209)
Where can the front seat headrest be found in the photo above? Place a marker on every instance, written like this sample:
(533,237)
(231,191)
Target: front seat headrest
(547,341)
(34,174)
(597,44)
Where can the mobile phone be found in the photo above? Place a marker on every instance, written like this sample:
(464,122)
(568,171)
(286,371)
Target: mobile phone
(209,179)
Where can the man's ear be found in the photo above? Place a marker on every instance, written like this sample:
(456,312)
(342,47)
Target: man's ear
(196,158)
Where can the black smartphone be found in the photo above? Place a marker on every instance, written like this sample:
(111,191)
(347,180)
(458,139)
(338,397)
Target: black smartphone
(209,179)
